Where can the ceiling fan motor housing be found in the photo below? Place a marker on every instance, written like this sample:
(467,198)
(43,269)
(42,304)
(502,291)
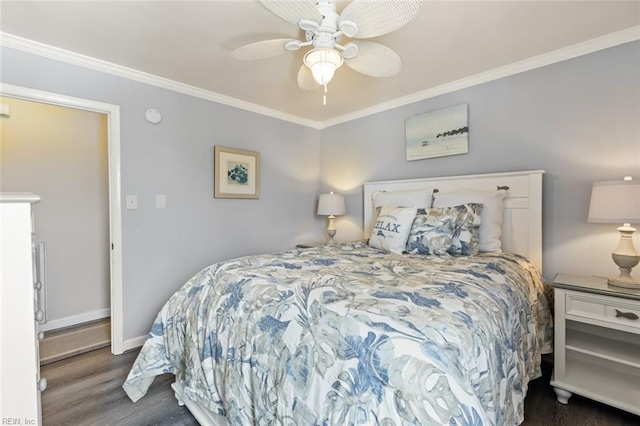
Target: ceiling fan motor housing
(324,35)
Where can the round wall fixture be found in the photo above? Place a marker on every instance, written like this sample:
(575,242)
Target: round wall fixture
(153,116)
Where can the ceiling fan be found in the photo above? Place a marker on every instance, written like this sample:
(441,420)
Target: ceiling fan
(324,29)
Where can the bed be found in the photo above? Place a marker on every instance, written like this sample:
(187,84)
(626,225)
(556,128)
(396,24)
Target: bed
(354,334)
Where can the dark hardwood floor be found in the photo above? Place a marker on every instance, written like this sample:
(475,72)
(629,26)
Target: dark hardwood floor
(86,390)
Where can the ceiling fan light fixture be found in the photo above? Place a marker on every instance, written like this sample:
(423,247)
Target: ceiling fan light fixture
(323,63)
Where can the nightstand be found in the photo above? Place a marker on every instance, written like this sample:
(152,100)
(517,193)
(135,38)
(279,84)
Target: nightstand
(311,245)
(597,342)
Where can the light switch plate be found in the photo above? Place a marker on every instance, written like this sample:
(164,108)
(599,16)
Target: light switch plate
(161,201)
(132,202)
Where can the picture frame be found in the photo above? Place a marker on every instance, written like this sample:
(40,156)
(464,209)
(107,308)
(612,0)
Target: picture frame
(236,173)
(437,134)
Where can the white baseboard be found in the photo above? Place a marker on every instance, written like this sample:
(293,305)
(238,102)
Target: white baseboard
(134,343)
(75,319)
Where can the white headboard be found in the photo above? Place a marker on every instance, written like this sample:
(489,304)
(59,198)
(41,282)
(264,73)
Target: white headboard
(522,216)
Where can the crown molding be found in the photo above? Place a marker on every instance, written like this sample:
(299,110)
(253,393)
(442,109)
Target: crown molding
(559,55)
(51,52)
(563,54)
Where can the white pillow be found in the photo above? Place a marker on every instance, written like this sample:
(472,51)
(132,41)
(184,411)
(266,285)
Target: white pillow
(490,216)
(420,198)
(391,228)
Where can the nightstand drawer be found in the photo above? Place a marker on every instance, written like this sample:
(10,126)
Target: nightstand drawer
(602,308)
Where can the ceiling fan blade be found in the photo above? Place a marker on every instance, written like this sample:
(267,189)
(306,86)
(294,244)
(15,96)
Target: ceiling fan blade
(305,79)
(375,60)
(293,11)
(261,49)
(377,17)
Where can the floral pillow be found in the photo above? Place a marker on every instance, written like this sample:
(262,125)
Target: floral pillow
(491,215)
(391,228)
(466,229)
(431,232)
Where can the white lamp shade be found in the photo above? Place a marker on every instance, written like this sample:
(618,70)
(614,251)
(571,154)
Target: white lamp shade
(323,64)
(331,205)
(616,201)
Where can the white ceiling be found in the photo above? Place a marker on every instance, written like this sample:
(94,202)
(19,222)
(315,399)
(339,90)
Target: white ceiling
(190,42)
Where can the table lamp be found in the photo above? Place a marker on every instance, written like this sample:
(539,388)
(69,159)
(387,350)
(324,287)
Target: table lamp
(619,202)
(331,205)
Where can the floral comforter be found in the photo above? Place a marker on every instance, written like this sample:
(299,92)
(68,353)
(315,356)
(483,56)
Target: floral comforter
(348,334)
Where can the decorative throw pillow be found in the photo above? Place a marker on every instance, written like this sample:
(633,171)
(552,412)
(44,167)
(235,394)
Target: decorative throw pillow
(391,228)
(466,229)
(490,217)
(431,232)
(420,198)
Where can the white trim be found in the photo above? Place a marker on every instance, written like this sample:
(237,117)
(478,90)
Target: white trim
(51,52)
(563,54)
(559,55)
(134,343)
(115,208)
(18,197)
(75,319)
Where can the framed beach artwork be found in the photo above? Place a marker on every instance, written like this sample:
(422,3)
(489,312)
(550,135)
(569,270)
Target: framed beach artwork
(438,133)
(236,173)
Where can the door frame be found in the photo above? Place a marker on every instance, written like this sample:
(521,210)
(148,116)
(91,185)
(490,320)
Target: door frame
(115,191)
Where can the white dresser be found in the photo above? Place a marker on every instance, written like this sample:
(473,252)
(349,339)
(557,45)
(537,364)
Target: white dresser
(21,384)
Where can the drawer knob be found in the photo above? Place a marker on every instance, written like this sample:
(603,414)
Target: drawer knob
(627,315)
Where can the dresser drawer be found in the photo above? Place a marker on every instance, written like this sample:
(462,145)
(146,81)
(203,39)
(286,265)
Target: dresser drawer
(602,308)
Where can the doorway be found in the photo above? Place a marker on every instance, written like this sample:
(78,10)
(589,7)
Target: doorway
(114,228)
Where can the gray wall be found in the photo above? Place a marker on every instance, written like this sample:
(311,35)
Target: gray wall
(579,120)
(162,248)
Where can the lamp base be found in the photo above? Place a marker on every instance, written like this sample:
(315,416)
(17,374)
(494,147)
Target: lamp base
(625,263)
(626,257)
(331,233)
(331,230)
(625,284)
